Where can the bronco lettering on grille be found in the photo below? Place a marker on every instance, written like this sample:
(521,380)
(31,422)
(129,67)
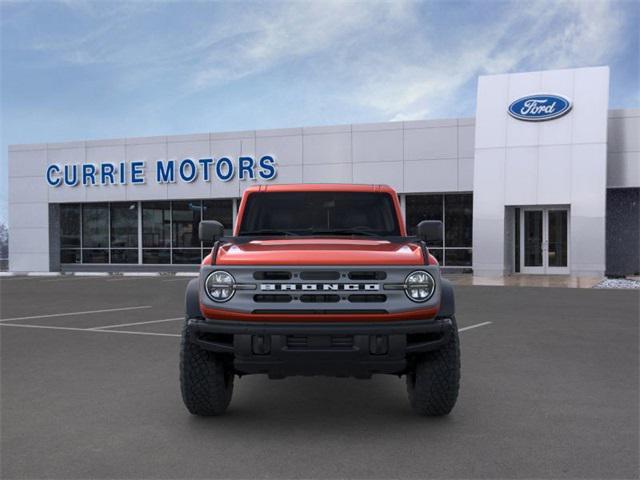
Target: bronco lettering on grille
(369,287)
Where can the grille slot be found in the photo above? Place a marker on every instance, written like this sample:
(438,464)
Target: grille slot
(367,275)
(358,298)
(297,341)
(319,298)
(272,298)
(343,341)
(271,275)
(319,341)
(320,275)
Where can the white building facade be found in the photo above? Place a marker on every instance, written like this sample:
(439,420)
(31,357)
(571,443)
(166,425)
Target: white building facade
(545,179)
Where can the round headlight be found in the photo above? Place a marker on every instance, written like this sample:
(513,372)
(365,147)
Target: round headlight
(419,286)
(220,286)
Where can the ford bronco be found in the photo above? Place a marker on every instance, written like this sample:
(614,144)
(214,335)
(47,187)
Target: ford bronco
(319,280)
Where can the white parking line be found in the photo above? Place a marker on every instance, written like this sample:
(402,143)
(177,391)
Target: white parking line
(136,323)
(474,326)
(47,327)
(107,329)
(75,313)
(74,278)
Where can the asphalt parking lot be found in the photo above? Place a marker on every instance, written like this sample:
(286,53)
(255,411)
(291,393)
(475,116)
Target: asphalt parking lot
(89,389)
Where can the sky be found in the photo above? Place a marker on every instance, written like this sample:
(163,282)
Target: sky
(77,70)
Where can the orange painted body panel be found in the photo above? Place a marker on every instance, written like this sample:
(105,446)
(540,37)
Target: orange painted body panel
(320,251)
(419,314)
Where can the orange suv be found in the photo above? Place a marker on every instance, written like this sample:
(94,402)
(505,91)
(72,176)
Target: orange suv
(319,280)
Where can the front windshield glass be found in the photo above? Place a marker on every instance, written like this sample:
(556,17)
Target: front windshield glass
(319,213)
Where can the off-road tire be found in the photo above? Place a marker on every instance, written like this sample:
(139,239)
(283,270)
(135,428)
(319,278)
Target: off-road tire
(433,382)
(205,382)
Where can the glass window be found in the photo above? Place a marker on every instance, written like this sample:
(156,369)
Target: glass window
(95,225)
(186,255)
(320,213)
(156,255)
(458,220)
(69,226)
(95,256)
(423,207)
(186,218)
(220,210)
(124,225)
(126,255)
(70,255)
(457,257)
(156,224)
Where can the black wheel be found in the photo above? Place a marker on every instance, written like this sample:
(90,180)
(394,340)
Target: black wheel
(205,381)
(434,381)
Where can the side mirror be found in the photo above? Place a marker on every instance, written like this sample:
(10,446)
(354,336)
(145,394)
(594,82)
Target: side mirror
(430,231)
(210,230)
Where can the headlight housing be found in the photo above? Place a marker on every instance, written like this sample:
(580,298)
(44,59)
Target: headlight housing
(419,286)
(220,286)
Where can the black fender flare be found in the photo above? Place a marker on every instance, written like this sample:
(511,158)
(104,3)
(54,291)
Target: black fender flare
(447,299)
(192,299)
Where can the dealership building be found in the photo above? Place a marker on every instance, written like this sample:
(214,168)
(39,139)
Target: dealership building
(544,179)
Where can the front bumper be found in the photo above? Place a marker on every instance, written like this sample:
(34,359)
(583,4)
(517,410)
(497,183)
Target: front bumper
(334,349)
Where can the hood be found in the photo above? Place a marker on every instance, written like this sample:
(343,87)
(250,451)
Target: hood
(320,251)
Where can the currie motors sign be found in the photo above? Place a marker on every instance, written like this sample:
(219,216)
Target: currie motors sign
(187,170)
(540,107)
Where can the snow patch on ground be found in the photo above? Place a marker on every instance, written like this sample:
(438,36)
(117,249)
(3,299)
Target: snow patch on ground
(618,283)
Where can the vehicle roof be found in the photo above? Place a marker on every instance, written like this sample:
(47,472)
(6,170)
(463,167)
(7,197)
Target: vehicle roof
(321,187)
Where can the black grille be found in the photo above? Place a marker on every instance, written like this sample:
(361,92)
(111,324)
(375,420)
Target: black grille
(367,275)
(275,298)
(271,275)
(320,275)
(319,298)
(319,341)
(359,298)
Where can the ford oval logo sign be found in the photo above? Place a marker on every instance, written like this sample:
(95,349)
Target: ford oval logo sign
(536,108)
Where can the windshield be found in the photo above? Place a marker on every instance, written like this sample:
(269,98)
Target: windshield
(319,213)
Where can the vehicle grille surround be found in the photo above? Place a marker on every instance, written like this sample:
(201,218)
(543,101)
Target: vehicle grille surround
(289,290)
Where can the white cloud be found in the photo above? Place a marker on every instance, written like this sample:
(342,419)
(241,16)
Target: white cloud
(532,35)
(393,58)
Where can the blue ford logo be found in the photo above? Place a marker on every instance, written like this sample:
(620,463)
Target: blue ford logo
(536,108)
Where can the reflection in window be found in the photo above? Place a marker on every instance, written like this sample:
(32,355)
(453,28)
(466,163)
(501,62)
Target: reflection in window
(91,255)
(108,232)
(156,256)
(124,225)
(186,218)
(95,225)
(458,214)
(70,255)
(69,226)
(127,255)
(186,255)
(220,210)
(455,210)
(458,257)
(423,207)
(156,224)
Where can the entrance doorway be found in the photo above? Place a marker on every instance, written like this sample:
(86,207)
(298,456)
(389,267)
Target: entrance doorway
(542,240)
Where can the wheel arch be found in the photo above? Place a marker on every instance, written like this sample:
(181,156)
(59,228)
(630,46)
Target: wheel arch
(192,299)
(447,299)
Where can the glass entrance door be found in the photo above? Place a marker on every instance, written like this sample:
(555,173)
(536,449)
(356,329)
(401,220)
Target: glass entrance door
(544,242)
